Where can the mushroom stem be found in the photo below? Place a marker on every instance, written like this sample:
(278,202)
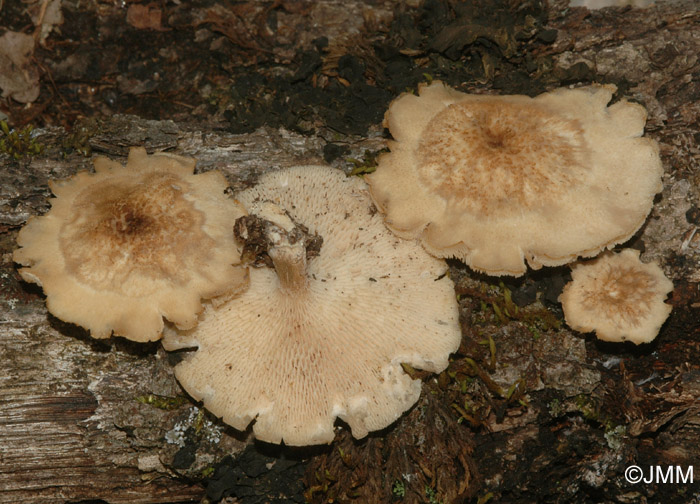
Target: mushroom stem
(270,237)
(290,264)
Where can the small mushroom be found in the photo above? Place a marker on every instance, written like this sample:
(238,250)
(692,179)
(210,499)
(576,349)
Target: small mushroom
(498,180)
(617,296)
(127,245)
(322,333)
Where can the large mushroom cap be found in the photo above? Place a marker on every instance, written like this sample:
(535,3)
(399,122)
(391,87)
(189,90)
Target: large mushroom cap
(498,180)
(125,246)
(617,296)
(322,335)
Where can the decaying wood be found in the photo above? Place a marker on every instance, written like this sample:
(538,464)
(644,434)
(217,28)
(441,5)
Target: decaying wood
(73,420)
(83,419)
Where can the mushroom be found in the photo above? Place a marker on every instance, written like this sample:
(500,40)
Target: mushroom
(617,296)
(323,332)
(497,180)
(127,245)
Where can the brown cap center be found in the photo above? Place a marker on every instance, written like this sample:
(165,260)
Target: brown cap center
(129,221)
(622,293)
(123,229)
(492,158)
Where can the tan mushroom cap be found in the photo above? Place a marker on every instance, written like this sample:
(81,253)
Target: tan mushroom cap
(617,296)
(128,245)
(312,341)
(499,180)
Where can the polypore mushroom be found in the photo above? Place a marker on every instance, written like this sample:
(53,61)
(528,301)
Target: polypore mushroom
(617,296)
(127,245)
(322,333)
(497,180)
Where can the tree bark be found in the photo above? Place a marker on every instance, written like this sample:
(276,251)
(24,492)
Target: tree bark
(82,419)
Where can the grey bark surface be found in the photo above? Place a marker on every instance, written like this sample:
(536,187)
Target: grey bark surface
(83,419)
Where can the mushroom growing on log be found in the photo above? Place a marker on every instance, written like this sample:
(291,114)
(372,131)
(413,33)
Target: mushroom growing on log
(128,245)
(617,296)
(323,333)
(499,180)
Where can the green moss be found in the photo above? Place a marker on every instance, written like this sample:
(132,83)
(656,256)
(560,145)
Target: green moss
(485,498)
(589,407)
(431,495)
(162,402)
(368,163)
(398,489)
(324,487)
(591,410)
(18,143)
(497,307)
(79,139)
